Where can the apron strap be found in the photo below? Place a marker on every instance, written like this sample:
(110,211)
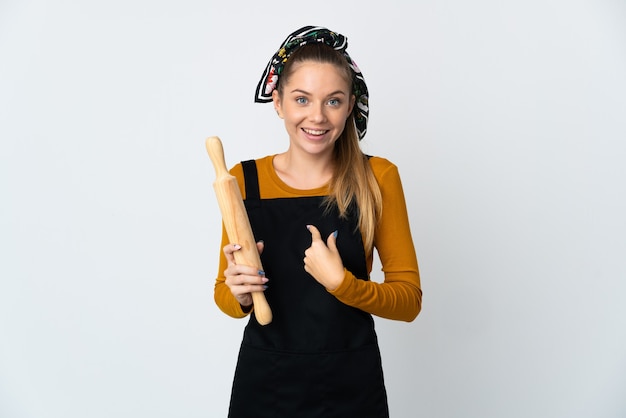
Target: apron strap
(251,181)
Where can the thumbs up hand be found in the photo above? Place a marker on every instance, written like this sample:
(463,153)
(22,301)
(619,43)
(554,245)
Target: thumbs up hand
(322,260)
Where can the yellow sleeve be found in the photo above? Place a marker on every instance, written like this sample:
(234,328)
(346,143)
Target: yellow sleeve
(399,296)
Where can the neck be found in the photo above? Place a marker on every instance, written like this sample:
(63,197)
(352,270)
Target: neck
(303,171)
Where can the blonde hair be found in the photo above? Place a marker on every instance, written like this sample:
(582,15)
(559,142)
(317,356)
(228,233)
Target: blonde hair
(353,180)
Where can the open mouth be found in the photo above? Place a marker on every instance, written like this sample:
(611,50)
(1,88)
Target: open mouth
(315,132)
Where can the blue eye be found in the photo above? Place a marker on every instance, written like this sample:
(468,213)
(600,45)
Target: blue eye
(301,100)
(334,102)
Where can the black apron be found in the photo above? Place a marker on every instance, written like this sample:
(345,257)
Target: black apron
(318,357)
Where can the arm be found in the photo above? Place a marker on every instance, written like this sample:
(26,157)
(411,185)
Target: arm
(399,296)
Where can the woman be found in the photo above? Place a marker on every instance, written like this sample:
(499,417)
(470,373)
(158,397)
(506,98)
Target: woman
(318,211)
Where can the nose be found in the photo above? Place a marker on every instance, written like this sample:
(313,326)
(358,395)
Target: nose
(318,113)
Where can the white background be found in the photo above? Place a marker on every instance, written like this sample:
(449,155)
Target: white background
(507,122)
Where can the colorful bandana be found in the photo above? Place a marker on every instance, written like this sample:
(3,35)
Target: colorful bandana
(307,35)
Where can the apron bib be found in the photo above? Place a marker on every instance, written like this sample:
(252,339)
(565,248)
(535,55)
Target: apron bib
(318,357)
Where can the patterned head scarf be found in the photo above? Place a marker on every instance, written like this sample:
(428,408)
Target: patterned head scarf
(308,35)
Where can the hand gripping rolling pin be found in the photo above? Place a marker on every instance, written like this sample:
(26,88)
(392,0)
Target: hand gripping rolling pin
(236,222)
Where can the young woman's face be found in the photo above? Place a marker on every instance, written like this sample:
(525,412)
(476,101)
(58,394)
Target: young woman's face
(315,103)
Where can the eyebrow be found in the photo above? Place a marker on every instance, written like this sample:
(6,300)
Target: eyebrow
(335,93)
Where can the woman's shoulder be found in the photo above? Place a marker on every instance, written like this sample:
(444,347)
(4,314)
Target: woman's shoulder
(387,176)
(237,169)
(381,166)
(262,164)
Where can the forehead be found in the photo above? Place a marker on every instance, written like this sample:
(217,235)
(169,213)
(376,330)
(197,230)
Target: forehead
(319,76)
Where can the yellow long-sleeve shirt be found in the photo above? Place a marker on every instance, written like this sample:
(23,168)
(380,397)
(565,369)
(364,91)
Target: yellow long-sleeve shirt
(399,296)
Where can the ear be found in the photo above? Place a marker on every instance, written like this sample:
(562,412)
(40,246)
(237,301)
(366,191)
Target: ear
(352,101)
(277,103)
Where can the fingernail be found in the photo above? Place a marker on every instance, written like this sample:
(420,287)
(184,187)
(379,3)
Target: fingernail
(237,246)
(308,227)
(261,241)
(265,280)
(261,272)
(264,287)
(335,233)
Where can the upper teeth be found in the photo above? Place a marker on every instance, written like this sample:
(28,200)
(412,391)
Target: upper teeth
(313,132)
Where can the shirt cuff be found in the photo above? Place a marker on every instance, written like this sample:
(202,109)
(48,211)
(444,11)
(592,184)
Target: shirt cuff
(348,278)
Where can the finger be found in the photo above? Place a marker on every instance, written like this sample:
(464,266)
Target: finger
(256,288)
(244,282)
(251,275)
(332,241)
(243,275)
(315,233)
(260,246)
(239,291)
(229,250)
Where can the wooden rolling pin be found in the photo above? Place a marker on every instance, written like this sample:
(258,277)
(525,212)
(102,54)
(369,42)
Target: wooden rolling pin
(236,222)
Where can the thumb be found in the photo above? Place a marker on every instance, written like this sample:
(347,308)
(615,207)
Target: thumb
(315,233)
(332,241)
